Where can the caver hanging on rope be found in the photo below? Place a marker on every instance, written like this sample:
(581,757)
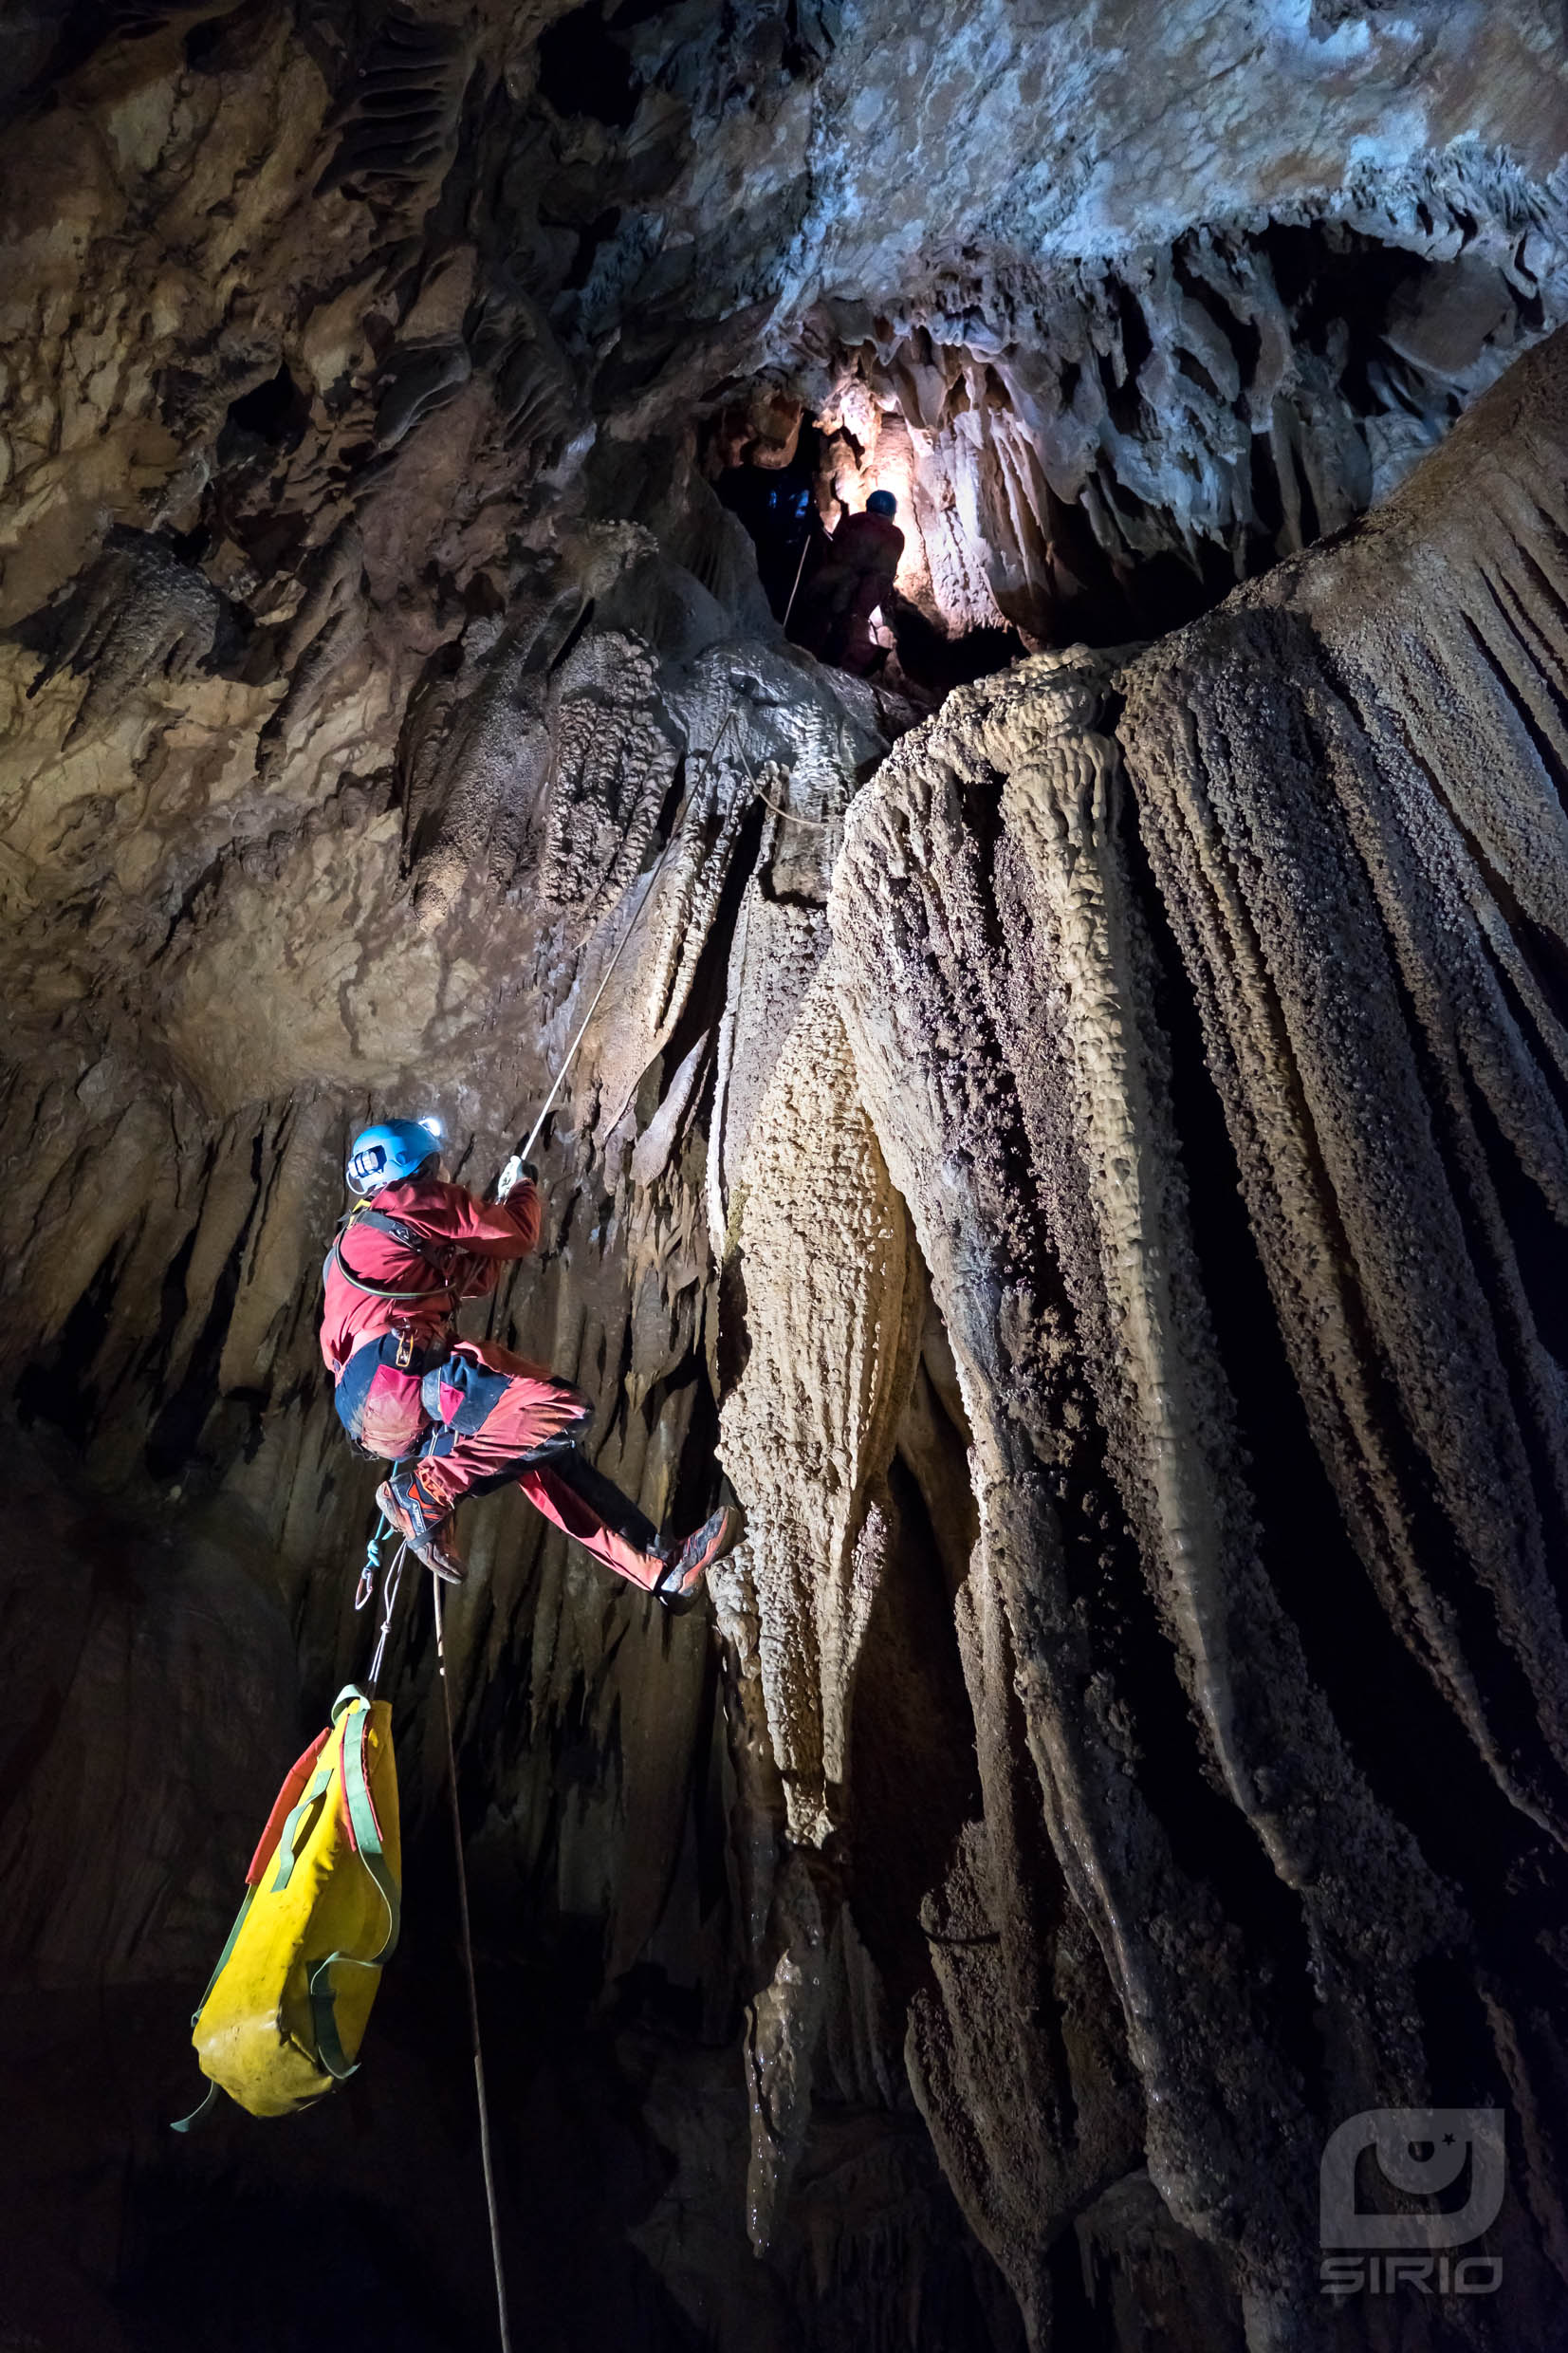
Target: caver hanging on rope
(476,1414)
(461,1416)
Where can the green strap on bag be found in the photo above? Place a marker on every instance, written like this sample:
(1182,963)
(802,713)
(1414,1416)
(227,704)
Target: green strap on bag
(367,1838)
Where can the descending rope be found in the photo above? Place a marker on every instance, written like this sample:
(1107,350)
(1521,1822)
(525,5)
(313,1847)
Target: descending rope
(526,1152)
(818,825)
(525,1149)
(473,1991)
(799,569)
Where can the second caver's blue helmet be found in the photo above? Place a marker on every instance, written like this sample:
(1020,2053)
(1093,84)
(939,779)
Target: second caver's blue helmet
(386,1153)
(881,502)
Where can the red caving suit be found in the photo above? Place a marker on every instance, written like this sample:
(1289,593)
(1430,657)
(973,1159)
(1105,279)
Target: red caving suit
(488,1417)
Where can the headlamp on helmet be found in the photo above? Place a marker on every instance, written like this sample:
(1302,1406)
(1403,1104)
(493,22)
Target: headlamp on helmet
(389,1153)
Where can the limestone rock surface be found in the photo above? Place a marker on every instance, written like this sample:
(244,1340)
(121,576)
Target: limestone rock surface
(1085,1172)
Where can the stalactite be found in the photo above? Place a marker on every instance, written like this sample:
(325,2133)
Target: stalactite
(610,768)
(398,120)
(140,616)
(808,1430)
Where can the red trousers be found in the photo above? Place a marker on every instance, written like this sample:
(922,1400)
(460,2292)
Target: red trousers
(503,1419)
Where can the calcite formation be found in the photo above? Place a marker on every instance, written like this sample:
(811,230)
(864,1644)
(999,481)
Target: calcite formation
(1086,1173)
(1020,418)
(1275,819)
(831,1297)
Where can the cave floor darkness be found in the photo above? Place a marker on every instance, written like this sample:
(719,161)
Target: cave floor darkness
(360,2222)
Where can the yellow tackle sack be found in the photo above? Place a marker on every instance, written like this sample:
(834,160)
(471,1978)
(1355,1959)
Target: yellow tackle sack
(284,2013)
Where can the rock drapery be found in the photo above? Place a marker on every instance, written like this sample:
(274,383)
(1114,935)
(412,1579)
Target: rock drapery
(1113,1258)
(1366,932)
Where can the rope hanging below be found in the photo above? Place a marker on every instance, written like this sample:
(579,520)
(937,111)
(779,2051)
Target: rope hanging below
(364,1591)
(473,1991)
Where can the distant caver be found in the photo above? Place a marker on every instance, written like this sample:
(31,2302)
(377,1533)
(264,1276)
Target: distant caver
(460,1416)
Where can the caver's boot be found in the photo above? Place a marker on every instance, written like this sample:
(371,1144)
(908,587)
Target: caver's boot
(684,1569)
(426,1524)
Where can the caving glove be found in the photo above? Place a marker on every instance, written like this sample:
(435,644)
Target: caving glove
(512,1176)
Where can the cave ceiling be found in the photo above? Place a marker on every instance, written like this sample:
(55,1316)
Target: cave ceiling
(1082,1158)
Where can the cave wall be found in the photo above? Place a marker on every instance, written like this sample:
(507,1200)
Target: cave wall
(1266,1500)
(1129,1737)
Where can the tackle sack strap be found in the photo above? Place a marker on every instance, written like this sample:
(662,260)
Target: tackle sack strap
(364,1833)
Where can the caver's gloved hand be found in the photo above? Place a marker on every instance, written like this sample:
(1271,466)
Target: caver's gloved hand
(513,1175)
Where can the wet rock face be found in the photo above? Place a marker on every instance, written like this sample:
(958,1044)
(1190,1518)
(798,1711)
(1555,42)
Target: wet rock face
(1086,1171)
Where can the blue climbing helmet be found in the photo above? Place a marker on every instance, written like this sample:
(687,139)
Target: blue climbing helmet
(385,1155)
(881,502)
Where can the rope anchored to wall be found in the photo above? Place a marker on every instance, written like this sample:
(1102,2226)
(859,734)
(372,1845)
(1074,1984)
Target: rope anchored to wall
(524,1150)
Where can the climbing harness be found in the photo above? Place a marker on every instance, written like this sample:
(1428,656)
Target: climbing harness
(473,1989)
(437,1259)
